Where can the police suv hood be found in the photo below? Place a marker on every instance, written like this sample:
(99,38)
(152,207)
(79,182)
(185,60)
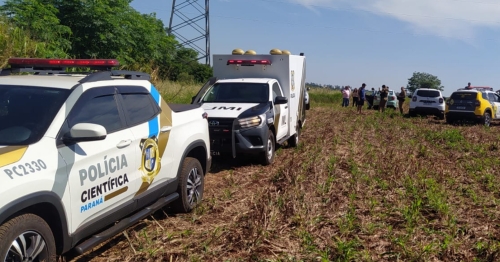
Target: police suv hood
(227,110)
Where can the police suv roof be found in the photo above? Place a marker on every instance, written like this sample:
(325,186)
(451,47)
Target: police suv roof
(55,81)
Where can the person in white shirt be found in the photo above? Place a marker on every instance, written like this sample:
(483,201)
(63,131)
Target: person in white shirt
(345,96)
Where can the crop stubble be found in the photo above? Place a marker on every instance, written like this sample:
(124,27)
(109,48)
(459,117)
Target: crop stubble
(372,187)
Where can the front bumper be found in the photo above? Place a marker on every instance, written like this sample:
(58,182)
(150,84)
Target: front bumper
(228,139)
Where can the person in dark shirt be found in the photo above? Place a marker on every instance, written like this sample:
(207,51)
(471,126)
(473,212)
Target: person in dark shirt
(362,97)
(383,98)
(369,98)
(401,99)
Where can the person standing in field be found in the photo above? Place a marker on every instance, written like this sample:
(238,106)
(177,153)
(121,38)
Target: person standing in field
(401,99)
(383,98)
(355,97)
(362,97)
(370,98)
(345,96)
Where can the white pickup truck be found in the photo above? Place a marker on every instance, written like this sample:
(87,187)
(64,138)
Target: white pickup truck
(83,156)
(255,102)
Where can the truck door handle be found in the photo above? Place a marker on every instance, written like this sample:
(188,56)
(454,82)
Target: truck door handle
(286,107)
(124,143)
(165,129)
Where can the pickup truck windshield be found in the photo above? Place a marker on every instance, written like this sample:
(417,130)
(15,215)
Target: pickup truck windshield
(237,93)
(26,112)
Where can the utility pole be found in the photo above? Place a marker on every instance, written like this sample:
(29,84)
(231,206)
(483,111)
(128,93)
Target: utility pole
(190,24)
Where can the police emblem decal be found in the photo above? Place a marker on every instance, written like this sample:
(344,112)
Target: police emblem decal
(150,162)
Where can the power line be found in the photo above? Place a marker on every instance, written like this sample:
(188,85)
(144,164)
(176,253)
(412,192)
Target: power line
(324,27)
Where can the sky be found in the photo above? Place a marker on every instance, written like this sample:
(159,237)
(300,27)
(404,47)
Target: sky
(350,42)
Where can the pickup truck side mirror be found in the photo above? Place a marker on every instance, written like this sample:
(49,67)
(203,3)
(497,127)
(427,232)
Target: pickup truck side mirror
(308,88)
(85,132)
(279,100)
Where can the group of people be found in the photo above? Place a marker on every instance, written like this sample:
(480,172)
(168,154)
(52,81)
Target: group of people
(359,97)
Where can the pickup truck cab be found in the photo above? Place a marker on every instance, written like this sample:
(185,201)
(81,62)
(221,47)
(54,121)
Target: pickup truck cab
(255,102)
(83,156)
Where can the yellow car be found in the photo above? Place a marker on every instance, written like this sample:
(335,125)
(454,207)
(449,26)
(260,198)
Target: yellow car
(476,104)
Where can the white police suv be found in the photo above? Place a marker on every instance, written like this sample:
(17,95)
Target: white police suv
(81,151)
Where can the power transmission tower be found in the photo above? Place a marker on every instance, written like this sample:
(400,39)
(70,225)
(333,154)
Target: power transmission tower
(189,23)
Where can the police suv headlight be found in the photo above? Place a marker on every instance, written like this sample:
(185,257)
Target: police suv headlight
(250,121)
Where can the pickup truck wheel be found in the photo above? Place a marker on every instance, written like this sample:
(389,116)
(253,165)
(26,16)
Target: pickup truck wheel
(268,155)
(293,141)
(486,121)
(27,238)
(191,185)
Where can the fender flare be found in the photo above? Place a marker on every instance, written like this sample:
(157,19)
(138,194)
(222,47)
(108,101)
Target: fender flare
(188,149)
(43,197)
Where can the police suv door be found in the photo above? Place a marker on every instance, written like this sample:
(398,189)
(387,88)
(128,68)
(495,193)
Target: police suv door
(150,126)
(280,114)
(100,172)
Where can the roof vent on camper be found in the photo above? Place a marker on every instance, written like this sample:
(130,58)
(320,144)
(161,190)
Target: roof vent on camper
(286,52)
(275,51)
(250,52)
(238,51)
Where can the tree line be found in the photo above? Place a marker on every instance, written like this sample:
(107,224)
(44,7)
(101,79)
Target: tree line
(417,80)
(96,29)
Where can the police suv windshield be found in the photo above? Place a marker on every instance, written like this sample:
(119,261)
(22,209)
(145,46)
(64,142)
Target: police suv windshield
(237,93)
(26,112)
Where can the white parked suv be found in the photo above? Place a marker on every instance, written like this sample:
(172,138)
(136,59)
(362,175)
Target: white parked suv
(426,101)
(82,157)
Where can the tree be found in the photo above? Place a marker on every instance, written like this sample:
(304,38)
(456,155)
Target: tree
(40,20)
(423,80)
(105,29)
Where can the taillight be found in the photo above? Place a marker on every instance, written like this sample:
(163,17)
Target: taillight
(414,99)
(392,98)
(441,100)
(478,103)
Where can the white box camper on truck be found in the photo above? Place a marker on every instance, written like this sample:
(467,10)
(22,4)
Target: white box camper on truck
(254,102)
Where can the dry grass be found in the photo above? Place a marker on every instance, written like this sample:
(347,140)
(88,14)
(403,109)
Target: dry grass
(372,187)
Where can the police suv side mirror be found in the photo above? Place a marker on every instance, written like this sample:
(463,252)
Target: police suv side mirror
(84,132)
(279,100)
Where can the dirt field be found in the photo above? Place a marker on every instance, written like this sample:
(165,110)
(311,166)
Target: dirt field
(372,187)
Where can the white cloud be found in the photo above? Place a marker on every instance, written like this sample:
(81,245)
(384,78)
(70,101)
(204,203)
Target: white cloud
(313,5)
(446,18)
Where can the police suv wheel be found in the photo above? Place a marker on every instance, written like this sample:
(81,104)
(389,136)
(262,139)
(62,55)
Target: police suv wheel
(27,238)
(191,185)
(486,121)
(268,156)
